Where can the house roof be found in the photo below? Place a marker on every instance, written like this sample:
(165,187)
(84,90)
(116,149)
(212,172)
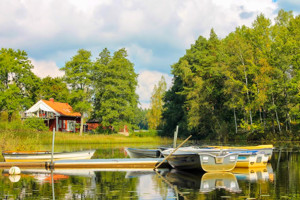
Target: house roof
(62,108)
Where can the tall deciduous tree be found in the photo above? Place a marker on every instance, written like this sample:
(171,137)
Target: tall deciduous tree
(78,76)
(18,87)
(115,84)
(156,105)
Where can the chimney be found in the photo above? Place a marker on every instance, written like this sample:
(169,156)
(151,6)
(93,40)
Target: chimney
(51,99)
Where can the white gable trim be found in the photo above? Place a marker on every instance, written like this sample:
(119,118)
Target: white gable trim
(40,105)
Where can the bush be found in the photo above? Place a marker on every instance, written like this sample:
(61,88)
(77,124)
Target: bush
(145,133)
(36,124)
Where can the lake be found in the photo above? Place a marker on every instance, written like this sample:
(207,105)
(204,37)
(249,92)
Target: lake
(279,180)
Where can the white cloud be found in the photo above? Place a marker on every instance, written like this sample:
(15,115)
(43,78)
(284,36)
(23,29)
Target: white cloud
(156,33)
(139,53)
(46,68)
(146,81)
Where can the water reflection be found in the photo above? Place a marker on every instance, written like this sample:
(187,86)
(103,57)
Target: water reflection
(279,180)
(121,184)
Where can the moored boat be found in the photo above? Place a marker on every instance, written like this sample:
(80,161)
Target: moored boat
(207,161)
(260,149)
(218,162)
(41,156)
(143,153)
(182,159)
(250,160)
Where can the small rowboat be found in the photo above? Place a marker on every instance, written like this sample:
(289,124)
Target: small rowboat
(143,153)
(209,162)
(250,160)
(183,159)
(41,156)
(218,162)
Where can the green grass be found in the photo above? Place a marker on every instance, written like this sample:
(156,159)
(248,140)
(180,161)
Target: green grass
(75,138)
(34,140)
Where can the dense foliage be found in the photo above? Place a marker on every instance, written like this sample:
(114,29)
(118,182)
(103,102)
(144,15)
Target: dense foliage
(246,85)
(114,82)
(35,124)
(103,90)
(18,84)
(78,77)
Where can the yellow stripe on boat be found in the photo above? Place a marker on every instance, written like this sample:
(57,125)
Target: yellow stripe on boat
(268,146)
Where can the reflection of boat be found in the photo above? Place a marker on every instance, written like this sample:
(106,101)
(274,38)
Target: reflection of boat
(35,156)
(67,172)
(184,179)
(219,180)
(143,153)
(221,161)
(144,172)
(207,182)
(255,174)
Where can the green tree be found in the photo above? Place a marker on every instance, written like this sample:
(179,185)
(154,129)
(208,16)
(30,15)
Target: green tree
(115,84)
(78,77)
(156,106)
(54,88)
(18,86)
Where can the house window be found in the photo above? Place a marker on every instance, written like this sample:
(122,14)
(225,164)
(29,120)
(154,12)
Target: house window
(71,125)
(64,124)
(59,124)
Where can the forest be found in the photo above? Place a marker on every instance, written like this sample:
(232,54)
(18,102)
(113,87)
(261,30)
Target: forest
(243,86)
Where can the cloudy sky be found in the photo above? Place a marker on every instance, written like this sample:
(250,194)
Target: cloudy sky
(155,33)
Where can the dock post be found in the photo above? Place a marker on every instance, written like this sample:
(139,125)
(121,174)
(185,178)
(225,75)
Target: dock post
(175,137)
(52,151)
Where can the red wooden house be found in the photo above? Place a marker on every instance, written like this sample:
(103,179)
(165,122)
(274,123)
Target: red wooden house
(56,115)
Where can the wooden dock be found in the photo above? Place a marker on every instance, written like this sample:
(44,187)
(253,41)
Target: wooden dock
(127,163)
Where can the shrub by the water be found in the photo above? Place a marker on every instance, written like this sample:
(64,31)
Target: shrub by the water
(36,124)
(145,133)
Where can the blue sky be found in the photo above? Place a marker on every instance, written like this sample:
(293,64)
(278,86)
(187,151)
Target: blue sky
(155,33)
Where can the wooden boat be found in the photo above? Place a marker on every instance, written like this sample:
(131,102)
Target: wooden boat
(143,153)
(118,163)
(219,180)
(41,156)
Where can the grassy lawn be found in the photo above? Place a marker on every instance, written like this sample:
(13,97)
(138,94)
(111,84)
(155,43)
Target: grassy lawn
(34,140)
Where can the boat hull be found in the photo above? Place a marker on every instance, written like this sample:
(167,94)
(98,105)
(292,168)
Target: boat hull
(254,160)
(46,156)
(143,153)
(184,161)
(260,149)
(215,163)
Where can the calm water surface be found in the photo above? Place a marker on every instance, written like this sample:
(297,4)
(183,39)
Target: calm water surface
(279,180)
